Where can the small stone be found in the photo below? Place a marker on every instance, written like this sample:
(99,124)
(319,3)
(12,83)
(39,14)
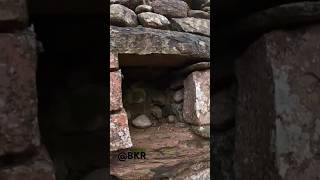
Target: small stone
(122,16)
(156,112)
(206,9)
(142,121)
(153,20)
(171,118)
(191,25)
(198,14)
(143,8)
(203,131)
(170,8)
(178,96)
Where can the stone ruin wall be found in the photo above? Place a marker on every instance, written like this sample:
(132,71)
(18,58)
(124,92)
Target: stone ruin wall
(158,27)
(21,153)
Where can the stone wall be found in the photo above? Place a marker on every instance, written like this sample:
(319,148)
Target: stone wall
(21,153)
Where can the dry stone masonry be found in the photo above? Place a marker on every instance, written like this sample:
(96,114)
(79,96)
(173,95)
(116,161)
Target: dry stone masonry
(160,89)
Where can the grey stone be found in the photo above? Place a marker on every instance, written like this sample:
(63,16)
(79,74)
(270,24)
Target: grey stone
(191,25)
(170,8)
(203,131)
(143,8)
(156,112)
(153,20)
(198,14)
(171,118)
(146,41)
(178,96)
(142,121)
(278,112)
(122,16)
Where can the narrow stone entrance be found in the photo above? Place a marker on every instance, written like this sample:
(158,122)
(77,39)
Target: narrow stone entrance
(153,96)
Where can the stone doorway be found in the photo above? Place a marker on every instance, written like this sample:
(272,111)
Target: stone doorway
(151,105)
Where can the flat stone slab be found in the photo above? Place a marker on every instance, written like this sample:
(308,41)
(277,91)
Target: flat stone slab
(171,152)
(185,47)
(278,116)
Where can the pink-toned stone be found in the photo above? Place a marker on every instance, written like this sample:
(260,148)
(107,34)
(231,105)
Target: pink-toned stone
(196,104)
(19,129)
(13,14)
(114,63)
(38,167)
(115,91)
(119,131)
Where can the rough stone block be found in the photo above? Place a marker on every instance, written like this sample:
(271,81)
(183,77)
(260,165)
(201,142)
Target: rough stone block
(278,116)
(13,14)
(114,63)
(18,100)
(119,132)
(196,104)
(39,167)
(115,91)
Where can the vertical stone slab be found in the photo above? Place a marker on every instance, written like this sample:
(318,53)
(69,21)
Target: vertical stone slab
(115,91)
(196,104)
(19,130)
(114,63)
(13,14)
(278,116)
(119,132)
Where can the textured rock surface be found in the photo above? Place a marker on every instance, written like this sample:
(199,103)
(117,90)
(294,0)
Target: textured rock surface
(122,16)
(13,14)
(141,121)
(170,8)
(278,115)
(143,41)
(196,104)
(143,8)
(119,132)
(38,167)
(115,91)
(198,14)
(177,153)
(18,100)
(114,63)
(192,25)
(153,20)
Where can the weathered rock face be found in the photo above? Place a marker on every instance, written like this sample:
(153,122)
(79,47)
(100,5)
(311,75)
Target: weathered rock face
(13,14)
(196,104)
(279,103)
(122,16)
(149,19)
(143,41)
(198,14)
(115,91)
(170,8)
(18,101)
(119,132)
(192,25)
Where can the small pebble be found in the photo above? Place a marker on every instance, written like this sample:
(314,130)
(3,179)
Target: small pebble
(143,8)
(171,118)
(142,121)
(178,96)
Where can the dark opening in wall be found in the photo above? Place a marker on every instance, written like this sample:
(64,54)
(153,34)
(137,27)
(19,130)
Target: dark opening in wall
(72,91)
(153,98)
